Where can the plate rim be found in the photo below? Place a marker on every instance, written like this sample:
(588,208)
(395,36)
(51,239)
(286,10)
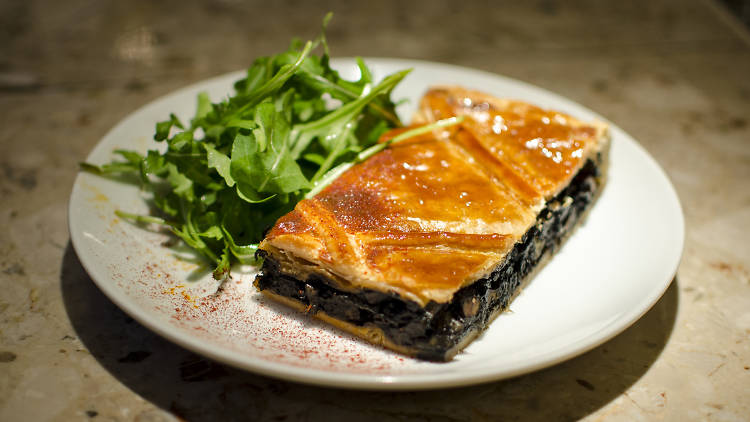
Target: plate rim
(421,381)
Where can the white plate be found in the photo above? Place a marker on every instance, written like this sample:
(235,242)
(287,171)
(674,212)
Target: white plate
(608,274)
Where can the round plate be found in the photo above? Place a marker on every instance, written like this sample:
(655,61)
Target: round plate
(608,274)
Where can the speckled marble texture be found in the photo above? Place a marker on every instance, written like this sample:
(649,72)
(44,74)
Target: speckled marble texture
(674,74)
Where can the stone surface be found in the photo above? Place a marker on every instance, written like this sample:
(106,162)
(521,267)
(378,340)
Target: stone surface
(671,73)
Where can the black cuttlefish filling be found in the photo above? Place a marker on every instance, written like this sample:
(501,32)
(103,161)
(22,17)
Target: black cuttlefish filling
(434,332)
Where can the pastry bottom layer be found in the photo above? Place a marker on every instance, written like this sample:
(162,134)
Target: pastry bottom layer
(439,330)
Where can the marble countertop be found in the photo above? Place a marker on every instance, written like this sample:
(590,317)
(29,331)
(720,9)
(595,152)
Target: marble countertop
(674,74)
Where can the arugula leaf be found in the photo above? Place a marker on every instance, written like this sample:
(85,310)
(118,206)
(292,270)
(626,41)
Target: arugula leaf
(220,162)
(132,164)
(163,128)
(110,168)
(181,184)
(260,72)
(262,159)
(244,253)
(204,106)
(132,157)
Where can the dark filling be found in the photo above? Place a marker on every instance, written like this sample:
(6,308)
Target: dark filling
(433,332)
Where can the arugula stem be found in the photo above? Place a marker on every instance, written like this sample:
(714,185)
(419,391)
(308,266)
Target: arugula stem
(144,219)
(183,154)
(391,117)
(338,149)
(410,134)
(193,234)
(337,171)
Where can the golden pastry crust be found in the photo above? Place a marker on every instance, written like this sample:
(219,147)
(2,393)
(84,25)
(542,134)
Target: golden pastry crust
(428,216)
